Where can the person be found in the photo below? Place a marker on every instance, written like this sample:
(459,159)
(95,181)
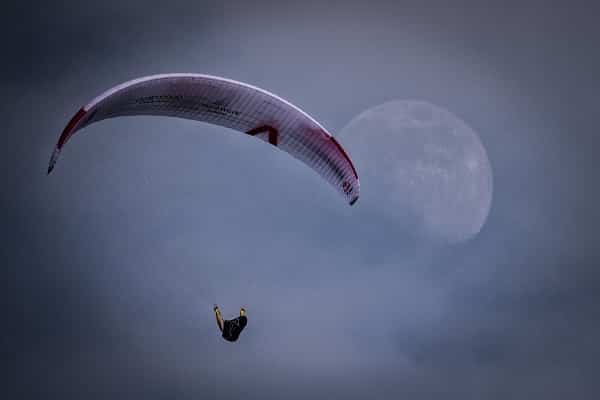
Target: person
(231,329)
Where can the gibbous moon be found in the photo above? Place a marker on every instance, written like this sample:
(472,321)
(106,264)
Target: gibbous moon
(421,163)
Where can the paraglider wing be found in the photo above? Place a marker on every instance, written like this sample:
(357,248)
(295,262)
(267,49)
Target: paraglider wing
(227,103)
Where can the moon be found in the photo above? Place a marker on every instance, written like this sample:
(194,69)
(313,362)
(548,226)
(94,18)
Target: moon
(422,163)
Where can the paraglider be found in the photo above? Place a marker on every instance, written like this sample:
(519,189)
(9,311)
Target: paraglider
(230,104)
(232,328)
(233,105)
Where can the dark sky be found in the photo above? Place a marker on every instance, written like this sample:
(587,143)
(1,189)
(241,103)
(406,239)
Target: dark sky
(111,265)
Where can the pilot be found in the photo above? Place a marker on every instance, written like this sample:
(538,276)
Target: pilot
(231,329)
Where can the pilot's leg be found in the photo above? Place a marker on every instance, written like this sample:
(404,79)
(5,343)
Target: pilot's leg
(219,318)
(242,312)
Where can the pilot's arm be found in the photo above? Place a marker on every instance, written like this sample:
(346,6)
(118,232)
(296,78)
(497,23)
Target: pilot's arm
(219,317)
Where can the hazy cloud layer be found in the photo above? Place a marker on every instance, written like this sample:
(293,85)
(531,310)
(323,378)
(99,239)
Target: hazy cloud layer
(112,264)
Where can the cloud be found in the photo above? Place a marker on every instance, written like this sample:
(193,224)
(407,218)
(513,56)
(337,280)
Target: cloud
(111,265)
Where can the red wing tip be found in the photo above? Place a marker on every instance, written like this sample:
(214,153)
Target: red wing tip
(341,149)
